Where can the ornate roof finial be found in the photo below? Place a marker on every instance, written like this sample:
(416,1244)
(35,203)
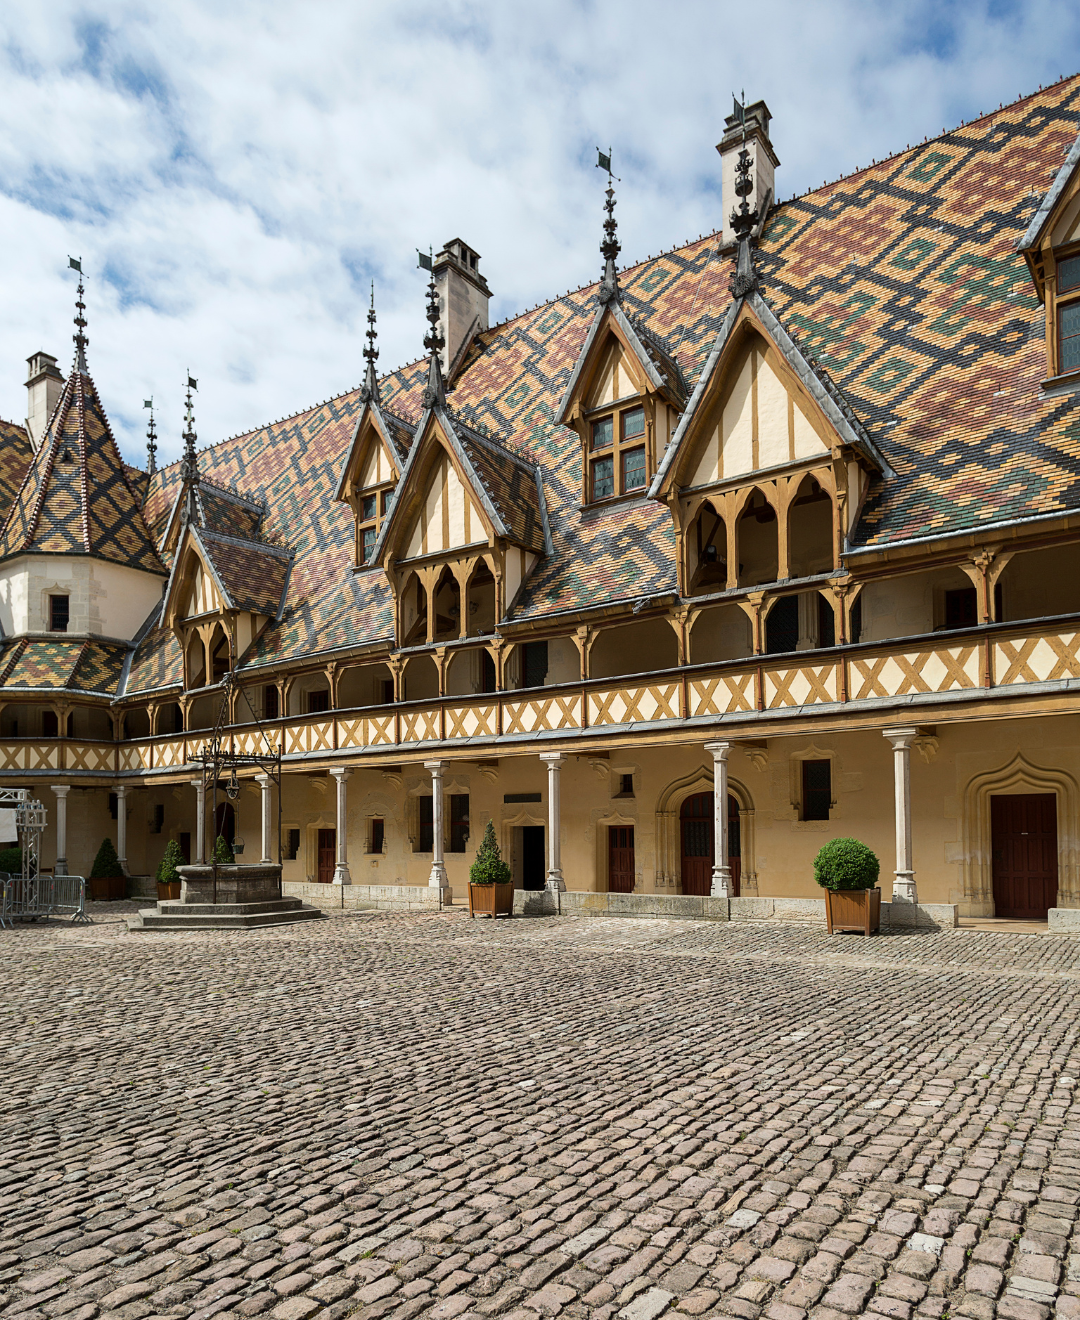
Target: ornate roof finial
(743,220)
(370,388)
(434,342)
(151,438)
(81,341)
(189,464)
(610,247)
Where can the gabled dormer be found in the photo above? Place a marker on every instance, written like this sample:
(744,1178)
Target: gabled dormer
(624,395)
(768,468)
(378,448)
(1051,248)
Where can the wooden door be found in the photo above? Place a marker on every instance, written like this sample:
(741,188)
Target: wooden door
(696,827)
(620,859)
(327,856)
(1023,839)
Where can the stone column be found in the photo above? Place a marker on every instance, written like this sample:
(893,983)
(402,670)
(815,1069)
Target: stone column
(61,791)
(341,870)
(554,762)
(200,822)
(437,879)
(721,872)
(122,790)
(265,783)
(903,890)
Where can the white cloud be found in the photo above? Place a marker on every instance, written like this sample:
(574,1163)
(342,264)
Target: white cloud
(233,174)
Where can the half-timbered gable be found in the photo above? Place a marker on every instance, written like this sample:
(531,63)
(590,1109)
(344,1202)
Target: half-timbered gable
(1051,248)
(370,473)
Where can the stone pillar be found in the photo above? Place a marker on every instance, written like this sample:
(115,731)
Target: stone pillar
(265,783)
(721,872)
(554,762)
(903,890)
(200,821)
(341,870)
(121,791)
(61,791)
(437,879)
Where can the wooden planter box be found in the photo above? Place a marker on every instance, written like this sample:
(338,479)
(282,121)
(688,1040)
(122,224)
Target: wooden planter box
(107,889)
(853,909)
(168,891)
(491,900)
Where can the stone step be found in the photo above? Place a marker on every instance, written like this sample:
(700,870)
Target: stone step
(263,915)
(176,907)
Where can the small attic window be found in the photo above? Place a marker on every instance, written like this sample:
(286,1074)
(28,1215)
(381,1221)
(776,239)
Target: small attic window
(1069,274)
(620,465)
(67,456)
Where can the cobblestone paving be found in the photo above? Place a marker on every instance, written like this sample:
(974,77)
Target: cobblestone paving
(402,1116)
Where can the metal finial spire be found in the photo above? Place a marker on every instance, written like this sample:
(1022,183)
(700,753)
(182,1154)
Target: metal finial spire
(151,438)
(610,247)
(81,341)
(370,388)
(189,464)
(434,342)
(743,220)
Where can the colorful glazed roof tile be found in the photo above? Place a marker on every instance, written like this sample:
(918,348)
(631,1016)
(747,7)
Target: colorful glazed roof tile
(80,666)
(16,454)
(252,575)
(75,498)
(902,289)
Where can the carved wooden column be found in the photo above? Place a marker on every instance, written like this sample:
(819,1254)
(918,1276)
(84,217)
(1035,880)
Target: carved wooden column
(721,874)
(904,890)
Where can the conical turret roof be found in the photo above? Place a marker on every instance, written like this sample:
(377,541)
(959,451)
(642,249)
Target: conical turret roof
(76,498)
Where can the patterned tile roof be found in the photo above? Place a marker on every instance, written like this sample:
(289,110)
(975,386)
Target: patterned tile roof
(16,455)
(79,666)
(252,575)
(75,497)
(902,283)
(157,663)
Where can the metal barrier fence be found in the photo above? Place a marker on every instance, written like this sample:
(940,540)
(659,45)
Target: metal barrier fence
(42,896)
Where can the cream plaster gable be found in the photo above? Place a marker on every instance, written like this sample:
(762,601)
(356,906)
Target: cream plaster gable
(376,466)
(755,422)
(615,377)
(448,517)
(202,596)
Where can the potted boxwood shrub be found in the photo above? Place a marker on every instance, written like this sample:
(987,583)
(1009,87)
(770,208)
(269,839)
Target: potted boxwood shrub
(107,881)
(168,878)
(848,871)
(491,886)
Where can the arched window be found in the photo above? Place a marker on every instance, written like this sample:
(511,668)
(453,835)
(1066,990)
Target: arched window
(758,542)
(810,530)
(707,568)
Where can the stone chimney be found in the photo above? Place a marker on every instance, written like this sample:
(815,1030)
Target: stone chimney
(763,163)
(463,301)
(43,385)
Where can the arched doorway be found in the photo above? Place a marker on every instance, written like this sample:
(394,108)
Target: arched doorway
(697,843)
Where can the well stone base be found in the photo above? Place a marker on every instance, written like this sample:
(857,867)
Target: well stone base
(235,884)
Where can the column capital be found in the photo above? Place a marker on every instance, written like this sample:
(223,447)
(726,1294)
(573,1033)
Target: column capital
(339,775)
(61,790)
(121,790)
(719,750)
(436,767)
(264,781)
(902,735)
(553,758)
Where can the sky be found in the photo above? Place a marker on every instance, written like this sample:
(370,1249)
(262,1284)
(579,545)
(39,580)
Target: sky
(234,175)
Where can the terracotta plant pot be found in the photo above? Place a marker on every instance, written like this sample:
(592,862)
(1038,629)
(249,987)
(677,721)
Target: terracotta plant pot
(168,891)
(491,900)
(853,909)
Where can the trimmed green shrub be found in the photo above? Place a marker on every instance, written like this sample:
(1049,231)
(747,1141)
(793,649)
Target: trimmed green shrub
(11,860)
(167,873)
(489,867)
(223,854)
(106,864)
(846,864)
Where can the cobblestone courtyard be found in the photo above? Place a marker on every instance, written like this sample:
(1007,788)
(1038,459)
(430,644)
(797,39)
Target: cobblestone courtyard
(387,1115)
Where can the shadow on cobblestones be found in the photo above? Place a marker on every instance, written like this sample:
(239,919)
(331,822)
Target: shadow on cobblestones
(408,1115)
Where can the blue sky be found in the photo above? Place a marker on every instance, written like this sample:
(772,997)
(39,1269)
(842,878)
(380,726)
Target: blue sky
(234,174)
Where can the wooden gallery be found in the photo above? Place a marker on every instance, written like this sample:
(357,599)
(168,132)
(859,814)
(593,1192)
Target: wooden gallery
(770,539)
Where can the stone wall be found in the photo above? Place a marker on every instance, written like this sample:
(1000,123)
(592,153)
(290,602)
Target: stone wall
(357,898)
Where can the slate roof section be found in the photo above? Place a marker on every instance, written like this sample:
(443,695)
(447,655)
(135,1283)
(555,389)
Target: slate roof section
(902,286)
(75,497)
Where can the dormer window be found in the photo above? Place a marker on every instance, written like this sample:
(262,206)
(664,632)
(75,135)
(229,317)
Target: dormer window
(1068,313)
(372,509)
(618,465)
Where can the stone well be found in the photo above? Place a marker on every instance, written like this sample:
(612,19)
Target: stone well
(258,883)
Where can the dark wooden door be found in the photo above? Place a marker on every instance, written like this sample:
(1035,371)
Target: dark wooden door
(533,857)
(620,859)
(327,856)
(696,826)
(1023,838)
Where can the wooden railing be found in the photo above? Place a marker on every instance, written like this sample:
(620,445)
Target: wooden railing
(999,657)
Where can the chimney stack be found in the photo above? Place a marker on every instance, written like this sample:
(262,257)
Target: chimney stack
(763,163)
(43,385)
(463,301)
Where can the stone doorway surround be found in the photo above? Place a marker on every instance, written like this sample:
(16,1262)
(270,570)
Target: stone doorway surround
(669,835)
